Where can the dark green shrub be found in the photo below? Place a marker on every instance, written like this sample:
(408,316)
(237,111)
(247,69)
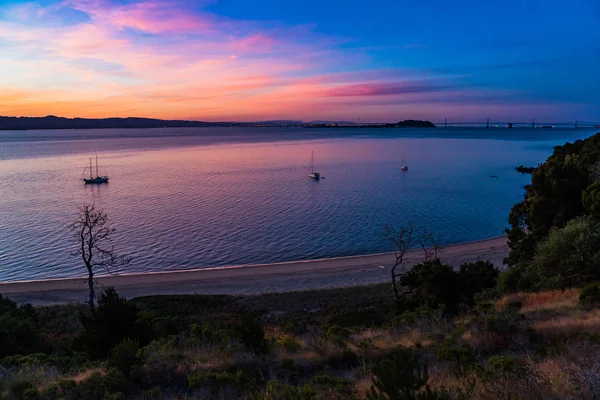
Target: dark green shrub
(218,381)
(50,392)
(124,356)
(92,387)
(402,377)
(19,331)
(116,382)
(561,189)
(151,394)
(114,320)
(251,333)
(502,323)
(514,305)
(323,382)
(346,359)
(19,387)
(568,257)
(475,277)
(513,280)
(462,357)
(206,333)
(289,344)
(30,394)
(67,385)
(115,396)
(590,295)
(501,363)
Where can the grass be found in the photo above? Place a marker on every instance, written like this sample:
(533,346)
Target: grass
(553,343)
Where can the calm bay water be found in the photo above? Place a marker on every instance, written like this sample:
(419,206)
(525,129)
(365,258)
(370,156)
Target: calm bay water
(194,198)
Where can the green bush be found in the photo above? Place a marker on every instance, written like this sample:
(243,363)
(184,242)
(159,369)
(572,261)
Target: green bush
(323,382)
(50,391)
(114,320)
(475,277)
(512,280)
(18,388)
(562,188)
(346,359)
(568,257)
(289,344)
(92,387)
(30,394)
(115,381)
(19,331)
(252,334)
(206,333)
(590,295)
(124,356)
(402,377)
(115,396)
(430,284)
(151,394)
(501,363)
(218,381)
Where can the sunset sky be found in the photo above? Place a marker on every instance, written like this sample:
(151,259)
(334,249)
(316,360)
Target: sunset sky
(312,59)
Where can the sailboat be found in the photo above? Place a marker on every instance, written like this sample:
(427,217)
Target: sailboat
(404,166)
(311,168)
(98,178)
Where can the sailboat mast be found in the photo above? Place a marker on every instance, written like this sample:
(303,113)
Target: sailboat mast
(97,165)
(91,170)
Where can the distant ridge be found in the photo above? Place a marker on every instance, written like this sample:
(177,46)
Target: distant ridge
(54,122)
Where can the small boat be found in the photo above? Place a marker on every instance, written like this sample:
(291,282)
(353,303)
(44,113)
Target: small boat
(97,179)
(404,166)
(311,168)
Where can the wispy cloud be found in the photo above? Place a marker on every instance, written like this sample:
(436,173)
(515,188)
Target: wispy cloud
(168,59)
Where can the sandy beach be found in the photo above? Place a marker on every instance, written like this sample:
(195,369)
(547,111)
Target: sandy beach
(250,279)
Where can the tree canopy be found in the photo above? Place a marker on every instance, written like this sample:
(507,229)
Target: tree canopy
(565,187)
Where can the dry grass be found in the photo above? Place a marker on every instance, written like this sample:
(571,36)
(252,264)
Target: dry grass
(543,301)
(567,326)
(86,374)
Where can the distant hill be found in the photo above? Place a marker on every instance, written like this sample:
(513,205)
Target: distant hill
(412,123)
(54,122)
(409,123)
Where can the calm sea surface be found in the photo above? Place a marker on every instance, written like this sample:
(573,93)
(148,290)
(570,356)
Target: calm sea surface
(203,197)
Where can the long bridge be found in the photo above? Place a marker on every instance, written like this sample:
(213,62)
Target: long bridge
(530,124)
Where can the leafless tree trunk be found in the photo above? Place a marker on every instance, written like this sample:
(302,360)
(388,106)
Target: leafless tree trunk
(402,239)
(93,237)
(430,244)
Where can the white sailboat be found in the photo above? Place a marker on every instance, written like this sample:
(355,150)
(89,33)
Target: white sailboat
(97,178)
(311,168)
(403,162)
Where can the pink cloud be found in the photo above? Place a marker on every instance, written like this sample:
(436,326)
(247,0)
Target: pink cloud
(159,59)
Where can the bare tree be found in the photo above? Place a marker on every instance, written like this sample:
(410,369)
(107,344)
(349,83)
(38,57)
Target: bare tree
(93,236)
(401,238)
(430,244)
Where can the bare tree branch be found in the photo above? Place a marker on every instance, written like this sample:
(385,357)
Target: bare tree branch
(430,244)
(402,239)
(93,237)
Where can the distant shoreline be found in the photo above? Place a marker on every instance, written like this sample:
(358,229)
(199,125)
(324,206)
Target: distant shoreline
(54,122)
(250,279)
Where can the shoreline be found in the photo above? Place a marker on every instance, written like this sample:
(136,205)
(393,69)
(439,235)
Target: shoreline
(250,279)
